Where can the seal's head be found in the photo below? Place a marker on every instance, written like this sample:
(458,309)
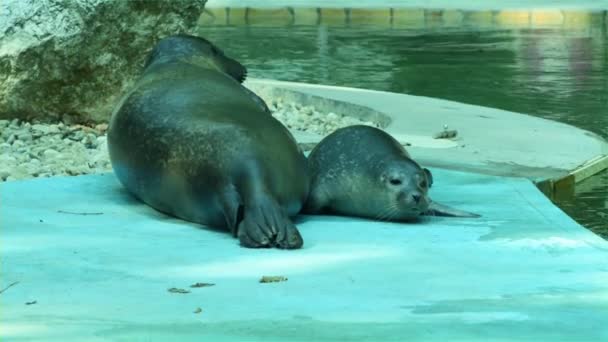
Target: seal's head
(363,171)
(197,51)
(402,192)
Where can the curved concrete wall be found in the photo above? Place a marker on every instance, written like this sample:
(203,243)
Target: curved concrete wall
(216,14)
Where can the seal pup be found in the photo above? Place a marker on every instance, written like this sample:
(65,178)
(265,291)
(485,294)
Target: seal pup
(190,141)
(363,171)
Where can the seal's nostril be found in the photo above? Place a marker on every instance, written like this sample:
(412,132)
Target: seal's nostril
(416,198)
(395,181)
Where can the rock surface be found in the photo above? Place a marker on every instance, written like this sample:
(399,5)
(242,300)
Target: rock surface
(71,59)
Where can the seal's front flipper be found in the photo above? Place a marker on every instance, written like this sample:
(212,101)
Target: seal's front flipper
(436,209)
(266,224)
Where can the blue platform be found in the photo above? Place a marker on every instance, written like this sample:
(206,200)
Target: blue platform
(523,271)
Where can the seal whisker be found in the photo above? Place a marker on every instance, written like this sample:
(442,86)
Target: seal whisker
(388,213)
(381,215)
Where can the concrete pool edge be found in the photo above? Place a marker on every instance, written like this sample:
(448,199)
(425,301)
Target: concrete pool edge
(553,155)
(523,271)
(399,14)
(415,4)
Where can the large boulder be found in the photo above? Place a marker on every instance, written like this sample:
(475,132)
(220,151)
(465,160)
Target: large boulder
(72,59)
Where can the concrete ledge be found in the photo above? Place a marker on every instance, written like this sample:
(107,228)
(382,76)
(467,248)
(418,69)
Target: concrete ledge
(93,264)
(402,15)
(473,5)
(489,141)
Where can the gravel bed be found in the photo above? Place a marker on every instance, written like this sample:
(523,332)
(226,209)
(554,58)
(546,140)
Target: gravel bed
(306,118)
(42,150)
(32,149)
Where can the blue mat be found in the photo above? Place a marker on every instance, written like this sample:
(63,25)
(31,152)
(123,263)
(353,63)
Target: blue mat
(524,270)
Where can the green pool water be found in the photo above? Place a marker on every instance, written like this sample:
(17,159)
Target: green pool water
(558,72)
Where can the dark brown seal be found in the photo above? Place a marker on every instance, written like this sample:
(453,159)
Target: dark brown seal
(191,141)
(363,171)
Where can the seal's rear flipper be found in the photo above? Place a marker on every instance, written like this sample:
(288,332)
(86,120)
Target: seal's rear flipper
(436,209)
(235,69)
(266,224)
(232,207)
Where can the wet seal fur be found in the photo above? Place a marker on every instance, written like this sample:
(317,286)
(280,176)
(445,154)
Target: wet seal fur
(363,171)
(191,141)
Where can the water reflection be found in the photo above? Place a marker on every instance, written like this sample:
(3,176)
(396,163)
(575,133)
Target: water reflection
(551,64)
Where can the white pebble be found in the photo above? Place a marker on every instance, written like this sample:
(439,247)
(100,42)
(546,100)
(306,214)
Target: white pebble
(6,159)
(50,153)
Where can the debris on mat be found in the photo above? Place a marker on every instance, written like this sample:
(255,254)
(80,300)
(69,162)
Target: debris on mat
(202,285)
(77,213)
(176,290)
(446,133)
(272,279)
(9,286)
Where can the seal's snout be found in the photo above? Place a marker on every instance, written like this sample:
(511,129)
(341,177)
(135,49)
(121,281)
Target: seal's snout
(413,200)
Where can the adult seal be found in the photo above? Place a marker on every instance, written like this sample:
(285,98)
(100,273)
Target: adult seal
(191,141)
(363,171)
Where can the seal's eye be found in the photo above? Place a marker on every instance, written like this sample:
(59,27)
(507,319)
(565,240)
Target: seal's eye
(423,184)
(395,181)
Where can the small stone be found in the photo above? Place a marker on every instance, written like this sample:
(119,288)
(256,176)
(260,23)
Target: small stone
(77,135)
(102,127)
(101,140)
(50,153)
(25,136)
(6,159)
(89,141)
(45,129)
(4,123)
(22,154)
(4,172)
(307,110)
(20,172)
